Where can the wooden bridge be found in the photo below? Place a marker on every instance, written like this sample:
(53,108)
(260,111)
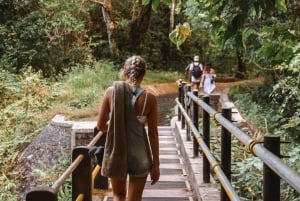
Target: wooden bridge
(177,169)
(173,183)
(185,173)
(181,173)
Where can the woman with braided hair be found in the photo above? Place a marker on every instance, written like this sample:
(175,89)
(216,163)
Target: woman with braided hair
(129,150)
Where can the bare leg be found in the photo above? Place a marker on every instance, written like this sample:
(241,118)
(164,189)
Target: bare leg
(195,86)
(136,188)
(119,189)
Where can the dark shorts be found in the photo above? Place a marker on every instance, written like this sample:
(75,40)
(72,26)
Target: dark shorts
(196,83)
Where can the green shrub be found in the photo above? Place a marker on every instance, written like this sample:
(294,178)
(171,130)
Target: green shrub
(263,106)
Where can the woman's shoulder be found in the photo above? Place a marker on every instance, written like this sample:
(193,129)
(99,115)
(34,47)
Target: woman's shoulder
(108,91)
(150,94)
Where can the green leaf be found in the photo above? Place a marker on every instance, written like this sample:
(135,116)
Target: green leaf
(246,33)
(145,2)
(155,4)
(280,5)
(180,34)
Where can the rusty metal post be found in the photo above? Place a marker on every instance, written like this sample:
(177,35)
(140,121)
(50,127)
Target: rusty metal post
(196,124)
(188,110)
(271,181)
(206,139)
(226,152)
(101,182)
(41,193)
(183,95)
(82,175)
(179,98)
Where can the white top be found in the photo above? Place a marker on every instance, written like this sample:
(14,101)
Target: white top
(209,84)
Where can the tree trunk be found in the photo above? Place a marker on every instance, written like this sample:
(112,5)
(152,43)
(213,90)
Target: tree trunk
(140,22)
(137,26)
(107,13)
(172,15)
(242,70)
(172,23)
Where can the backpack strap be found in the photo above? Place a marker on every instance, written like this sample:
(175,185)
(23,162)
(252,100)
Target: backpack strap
(145,103)
(199,65)
(135,95)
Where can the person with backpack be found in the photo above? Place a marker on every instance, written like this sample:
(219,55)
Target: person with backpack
(129,151)
(195,72)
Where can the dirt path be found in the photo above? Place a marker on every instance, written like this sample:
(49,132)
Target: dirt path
(222,85)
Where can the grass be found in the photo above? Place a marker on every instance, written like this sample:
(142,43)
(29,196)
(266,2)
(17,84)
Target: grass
(84,88)
(34,101)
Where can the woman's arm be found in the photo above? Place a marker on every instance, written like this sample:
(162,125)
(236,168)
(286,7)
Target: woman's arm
(152,117)
(103,116)
(202,79)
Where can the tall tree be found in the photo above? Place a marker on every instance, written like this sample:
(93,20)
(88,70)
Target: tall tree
(126,27)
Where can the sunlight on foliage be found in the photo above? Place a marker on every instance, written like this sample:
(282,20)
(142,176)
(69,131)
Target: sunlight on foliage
(180,34)
(280,5)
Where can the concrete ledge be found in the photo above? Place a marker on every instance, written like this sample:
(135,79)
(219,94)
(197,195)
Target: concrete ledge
(59,120)
(194,166)
(81,127)
(77,127)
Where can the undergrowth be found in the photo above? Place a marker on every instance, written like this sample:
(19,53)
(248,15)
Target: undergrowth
(258,106)
(29,101)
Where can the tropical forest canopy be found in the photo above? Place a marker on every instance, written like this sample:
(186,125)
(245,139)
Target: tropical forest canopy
(240,38)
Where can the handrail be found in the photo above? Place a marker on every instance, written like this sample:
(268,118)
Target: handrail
(215,166)
(269,153)
(275,163)
(80,197)
(74,165)
(95,139)
(67,173)
(51,193)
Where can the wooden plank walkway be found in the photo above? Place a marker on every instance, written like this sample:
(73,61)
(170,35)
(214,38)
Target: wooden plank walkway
(194,166)
(181,173)
(173,184)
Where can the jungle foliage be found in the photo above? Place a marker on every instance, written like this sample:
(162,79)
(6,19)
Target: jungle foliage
(42,41)
(265,36)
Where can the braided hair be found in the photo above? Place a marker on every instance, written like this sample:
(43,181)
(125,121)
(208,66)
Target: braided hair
(134,68)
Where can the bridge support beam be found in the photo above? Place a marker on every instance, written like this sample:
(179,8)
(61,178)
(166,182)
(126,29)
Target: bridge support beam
(226,152)
(188,110)
(82,175)
(196,124)
(206,139)
(271,181)
(179,98)
(183,95)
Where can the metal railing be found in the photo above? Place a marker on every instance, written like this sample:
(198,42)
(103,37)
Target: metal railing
(268,151)
(85,176)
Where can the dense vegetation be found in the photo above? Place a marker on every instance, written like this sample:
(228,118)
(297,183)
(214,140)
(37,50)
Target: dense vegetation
(31,103)
(43,42)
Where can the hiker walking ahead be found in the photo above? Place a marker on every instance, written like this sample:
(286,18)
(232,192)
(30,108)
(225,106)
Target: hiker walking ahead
(125,109)
(195,72)
(208,79)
